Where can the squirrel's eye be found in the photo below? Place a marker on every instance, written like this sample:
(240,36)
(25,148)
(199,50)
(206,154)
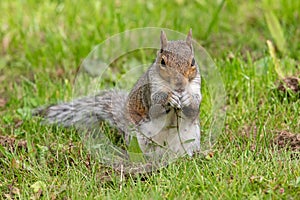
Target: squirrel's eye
(193,62)
(162,62)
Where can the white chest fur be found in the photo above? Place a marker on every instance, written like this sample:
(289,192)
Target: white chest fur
(171,133)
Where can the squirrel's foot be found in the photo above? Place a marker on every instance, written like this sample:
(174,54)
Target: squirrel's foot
(175,100)
(186,99)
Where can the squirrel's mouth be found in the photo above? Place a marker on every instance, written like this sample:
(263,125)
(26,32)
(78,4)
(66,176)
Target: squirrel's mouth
(179,90)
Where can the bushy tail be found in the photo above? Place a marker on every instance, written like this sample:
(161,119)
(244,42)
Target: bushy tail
(88,112)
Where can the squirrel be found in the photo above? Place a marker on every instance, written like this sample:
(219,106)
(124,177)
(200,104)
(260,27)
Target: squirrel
(161,111)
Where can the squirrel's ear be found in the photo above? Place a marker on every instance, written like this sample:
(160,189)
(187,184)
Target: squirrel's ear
(163,40)
(189,38)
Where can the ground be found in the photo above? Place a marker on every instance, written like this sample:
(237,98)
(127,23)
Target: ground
(255,45)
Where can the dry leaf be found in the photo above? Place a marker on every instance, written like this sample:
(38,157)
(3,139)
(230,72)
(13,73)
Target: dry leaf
(5,43)
(2,102)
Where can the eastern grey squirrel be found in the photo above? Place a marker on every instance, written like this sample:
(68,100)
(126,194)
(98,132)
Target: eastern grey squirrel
(162,109)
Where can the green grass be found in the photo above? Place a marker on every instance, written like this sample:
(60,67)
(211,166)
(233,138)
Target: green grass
(44,42)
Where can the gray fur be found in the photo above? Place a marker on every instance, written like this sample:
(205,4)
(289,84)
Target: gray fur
(88,112)
(160,100)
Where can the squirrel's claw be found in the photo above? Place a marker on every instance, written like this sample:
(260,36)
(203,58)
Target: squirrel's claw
(175,100)
(186,99)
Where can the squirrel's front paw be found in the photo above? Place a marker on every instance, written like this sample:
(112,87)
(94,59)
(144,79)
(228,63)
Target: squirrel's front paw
(175,100)
(186,99)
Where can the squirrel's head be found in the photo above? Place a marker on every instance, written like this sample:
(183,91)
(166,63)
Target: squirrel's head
(175,62)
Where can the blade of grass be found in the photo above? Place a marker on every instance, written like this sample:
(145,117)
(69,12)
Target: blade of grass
(275,59)
(276,31)
(214,20)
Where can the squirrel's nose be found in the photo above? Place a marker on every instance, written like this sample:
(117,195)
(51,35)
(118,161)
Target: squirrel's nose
(178,84)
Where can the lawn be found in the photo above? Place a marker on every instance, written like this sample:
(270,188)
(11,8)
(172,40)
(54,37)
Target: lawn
(255,46)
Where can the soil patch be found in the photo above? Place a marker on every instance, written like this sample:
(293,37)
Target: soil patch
(288,141)
(291,83)
(12,144)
